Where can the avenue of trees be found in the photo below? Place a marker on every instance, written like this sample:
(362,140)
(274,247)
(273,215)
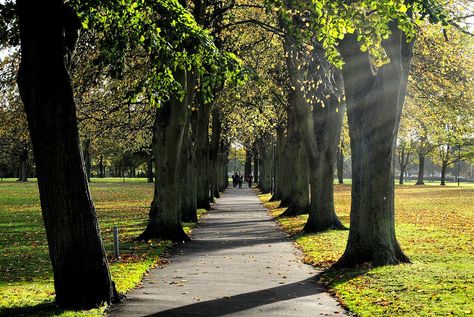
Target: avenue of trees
(166,89)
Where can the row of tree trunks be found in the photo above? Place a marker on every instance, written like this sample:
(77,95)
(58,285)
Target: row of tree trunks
(81,274)
(320,131)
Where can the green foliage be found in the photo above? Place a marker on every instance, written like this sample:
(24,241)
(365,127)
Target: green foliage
(168,38)
(329,22)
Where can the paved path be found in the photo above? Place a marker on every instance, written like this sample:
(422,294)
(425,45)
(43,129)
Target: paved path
(238,264)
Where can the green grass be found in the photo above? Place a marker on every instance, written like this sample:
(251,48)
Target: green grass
(26,284)
(435,227)
(449,182)
(93,180)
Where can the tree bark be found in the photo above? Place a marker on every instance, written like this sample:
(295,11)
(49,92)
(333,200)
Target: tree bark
(256,164)
(188,170)
(321,132)
(149,169)
(265,161)
(101,166)
(297,196)
(374,107)
(340,165)
(188,182)
(86,150)
(81,273)
(170,122)
(327,129)
(421,169)
(213,153)
(223,162)
(23,168)
(280,139)
(201,135)
(248,163)
(444,166)
(401,160)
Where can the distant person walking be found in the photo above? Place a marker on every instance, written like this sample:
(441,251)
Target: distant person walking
(249,180)
(240,181)
(235,179)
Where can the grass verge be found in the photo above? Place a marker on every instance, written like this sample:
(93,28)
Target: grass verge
(26,281)
(435,227)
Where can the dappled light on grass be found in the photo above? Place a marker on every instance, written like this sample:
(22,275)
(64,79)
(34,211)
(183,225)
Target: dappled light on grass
(25,270)
(435,229)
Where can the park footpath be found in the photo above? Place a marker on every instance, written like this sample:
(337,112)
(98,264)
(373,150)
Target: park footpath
(239,263)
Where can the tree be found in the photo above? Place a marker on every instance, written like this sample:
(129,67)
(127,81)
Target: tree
(441,96)
(404,151)
(81,275)
(380,97)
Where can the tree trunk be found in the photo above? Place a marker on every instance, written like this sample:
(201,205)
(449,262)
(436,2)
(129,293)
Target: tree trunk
(81,273)
(86,150)
(277,192)
(188,183)
(256,163)
(265,162)
(321,132)
(297,196)
(374,107)
(188,170)
(165,217)
(201,136)
(327,129)
(213,153)
(248,163)
(421,169)
(223,161)
(401,160)
(23,169)
(149,169)
(340,165)
(444,166)
(101,167)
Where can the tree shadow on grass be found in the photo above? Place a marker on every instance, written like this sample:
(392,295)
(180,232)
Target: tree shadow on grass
(332,277)
(43,309)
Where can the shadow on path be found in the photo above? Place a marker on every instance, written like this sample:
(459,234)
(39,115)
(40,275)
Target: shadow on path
(241,302)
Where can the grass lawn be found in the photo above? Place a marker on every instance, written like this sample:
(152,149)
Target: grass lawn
(26,284)
(435,227)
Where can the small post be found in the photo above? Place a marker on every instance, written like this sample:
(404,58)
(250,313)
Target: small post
(116,243)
